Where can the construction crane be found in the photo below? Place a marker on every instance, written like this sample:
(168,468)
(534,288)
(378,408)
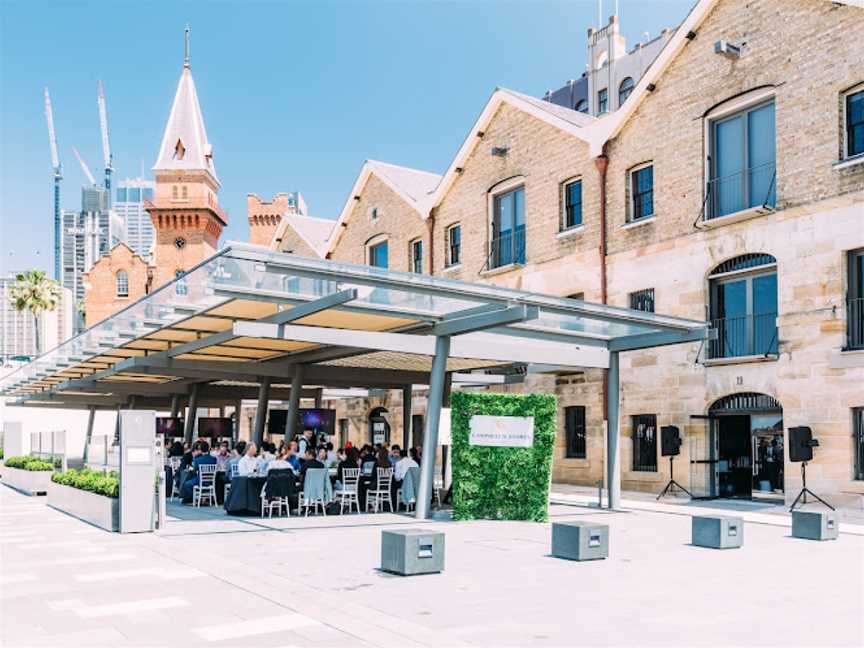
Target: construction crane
(106,147)
(84,166)
(58,176)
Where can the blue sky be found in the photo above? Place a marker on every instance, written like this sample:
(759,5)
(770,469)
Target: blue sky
(295,95)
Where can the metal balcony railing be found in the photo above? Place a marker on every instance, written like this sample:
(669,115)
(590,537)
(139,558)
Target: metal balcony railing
(753,187)
(855,323)
(744,336)
(508,248)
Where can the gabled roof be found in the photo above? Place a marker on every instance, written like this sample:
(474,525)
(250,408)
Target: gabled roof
(108,256)
(415,187)
(185,145)
(573,122)
(315,232)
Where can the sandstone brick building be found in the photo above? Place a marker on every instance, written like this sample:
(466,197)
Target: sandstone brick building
(729,186)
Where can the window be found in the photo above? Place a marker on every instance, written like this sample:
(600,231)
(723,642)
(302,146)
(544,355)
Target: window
(602,101)
(853,108)
(508,229)
(180,286)
(624,90)
(373,213)
(855,301)
(174,192)
(454,245)
(122,280)
(417,256)
(643,300)
(572,204)
(378,255)
(741,163)
(184,192)
(121,194)
(134,195)
(645,443)
(641,192)
(574,427)
(858,436)
(743,308)
(582,106)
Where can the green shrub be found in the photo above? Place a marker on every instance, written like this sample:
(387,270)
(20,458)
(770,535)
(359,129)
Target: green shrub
(29,463)
(502,483)
(107,484)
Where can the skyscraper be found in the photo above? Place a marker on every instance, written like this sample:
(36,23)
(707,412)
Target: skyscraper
(17,332)
(129,205)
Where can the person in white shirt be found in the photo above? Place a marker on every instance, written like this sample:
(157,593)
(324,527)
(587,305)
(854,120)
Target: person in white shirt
(249,463)
(280,462)
(402,466)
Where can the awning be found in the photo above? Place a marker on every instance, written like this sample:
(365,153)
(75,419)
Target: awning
(248,314)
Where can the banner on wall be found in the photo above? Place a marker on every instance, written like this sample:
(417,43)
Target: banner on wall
(501,431)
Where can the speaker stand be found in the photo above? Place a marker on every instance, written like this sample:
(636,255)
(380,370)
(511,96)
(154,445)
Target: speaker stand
(806,491)
(668,489)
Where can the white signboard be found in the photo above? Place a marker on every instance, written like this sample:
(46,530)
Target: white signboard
(502,431)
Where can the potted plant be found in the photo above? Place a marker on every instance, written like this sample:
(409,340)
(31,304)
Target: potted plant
(89,495)
(28,474)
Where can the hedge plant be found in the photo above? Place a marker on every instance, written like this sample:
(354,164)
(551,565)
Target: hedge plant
(29,463)
(107,484)
(502,483)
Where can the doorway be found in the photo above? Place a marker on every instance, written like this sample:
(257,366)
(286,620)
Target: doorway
(739,453)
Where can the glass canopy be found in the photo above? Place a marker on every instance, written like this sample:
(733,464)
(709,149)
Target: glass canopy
(247,311)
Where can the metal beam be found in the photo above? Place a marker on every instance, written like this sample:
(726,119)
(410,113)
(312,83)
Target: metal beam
(88,435)
(294,403)
(430,430)
(660,338)
(191,415)
(407,394)
(487,320)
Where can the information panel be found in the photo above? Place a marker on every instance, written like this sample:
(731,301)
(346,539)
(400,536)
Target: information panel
(501,431)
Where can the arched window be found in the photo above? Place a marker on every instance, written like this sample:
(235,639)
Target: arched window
(624,90)
(743,307)
(582,106)
(174,192)
(184,192)
(122,283)
(180,288)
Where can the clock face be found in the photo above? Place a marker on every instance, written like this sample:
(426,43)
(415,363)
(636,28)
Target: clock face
(180,242)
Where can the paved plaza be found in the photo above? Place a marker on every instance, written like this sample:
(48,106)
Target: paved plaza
(211,580)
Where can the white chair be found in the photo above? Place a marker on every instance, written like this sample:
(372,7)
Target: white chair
(348,492)
(380,495)
(206,486)
(269,503)
(233,471)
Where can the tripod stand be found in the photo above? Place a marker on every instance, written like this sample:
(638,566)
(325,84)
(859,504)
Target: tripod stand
(804,491)
(668,488)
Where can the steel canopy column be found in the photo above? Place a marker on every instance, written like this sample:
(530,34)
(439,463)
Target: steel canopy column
(430,430)
(407,393)
(193,413)
(294,404)
(89,436)
(261,411)
(175,405)
(613,428)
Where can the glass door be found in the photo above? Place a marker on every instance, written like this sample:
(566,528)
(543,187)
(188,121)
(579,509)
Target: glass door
(702,448)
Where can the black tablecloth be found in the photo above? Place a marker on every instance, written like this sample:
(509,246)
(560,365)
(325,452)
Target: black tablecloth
(244,498)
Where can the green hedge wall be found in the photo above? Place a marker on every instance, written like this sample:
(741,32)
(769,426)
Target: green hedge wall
(29,463)
(502,483)
(107,484)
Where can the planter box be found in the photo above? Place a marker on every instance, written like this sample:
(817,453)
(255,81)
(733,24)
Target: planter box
(98,510)
(30,482)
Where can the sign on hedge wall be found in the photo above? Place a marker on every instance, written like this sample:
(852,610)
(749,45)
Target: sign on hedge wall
(502,455)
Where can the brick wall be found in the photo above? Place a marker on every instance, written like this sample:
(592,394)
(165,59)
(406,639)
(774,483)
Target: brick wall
(264,217)
(100,297)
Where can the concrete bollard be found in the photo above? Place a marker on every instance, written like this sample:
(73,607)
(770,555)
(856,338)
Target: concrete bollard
(580,540)
(718,531)
(815,525)
(408,552)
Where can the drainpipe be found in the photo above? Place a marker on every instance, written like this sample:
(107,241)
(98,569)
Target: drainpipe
(602,164)
(430,224)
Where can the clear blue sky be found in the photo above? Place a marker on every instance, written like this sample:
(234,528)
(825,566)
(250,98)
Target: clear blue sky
(295,95)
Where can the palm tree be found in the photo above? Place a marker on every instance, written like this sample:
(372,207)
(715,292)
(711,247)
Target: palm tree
(34,291)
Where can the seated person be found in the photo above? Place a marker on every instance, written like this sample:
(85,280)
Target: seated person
(309,462)
(236,455)
(322,456)
(201,452)
(223,454)
(176,449)
(395,454)
(280,462)
(292,457)
(350,459)
(405,462)
(249,463)
(332,457)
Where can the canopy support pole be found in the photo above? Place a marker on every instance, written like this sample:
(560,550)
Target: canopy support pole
(294,404)
(175,405)
(193,413)
(261,411)
(407,394)
(613,428)
(89,436)
(430,432)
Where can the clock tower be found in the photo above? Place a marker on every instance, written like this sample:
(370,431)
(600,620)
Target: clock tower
(184,210)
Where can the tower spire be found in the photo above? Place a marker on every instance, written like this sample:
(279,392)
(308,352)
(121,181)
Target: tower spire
(186,47)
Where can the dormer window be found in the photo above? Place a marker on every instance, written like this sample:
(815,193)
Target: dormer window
(179,150)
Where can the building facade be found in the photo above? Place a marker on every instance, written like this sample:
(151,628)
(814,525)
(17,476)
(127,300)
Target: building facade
(17,329)
(728,186)
(264,216)
(129,203)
